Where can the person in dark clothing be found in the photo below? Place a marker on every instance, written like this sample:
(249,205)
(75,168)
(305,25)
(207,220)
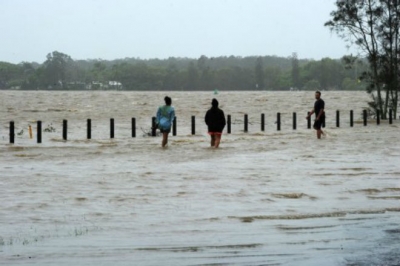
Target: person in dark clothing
(319,111)
(215,120)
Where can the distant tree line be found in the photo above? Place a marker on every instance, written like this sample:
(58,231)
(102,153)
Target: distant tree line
(60,72)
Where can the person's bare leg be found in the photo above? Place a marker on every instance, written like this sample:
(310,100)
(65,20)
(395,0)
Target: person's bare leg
(217,140)
(212,140)
(165,140)
(319,133)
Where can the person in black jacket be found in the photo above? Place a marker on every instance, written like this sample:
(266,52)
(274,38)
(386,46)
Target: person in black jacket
(215,120)
(319,110)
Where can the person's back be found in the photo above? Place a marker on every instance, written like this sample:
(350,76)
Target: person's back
(165,118)
(318,105)
(215,121)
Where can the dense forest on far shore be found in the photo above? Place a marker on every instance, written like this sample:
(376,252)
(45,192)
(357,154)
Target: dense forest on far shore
(60,72)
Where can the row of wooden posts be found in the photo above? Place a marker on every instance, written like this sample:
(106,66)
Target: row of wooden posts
(153,122)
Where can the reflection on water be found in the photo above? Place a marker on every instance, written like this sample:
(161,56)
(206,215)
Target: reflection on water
(264,198)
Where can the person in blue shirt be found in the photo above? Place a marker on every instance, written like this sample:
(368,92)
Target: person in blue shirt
(165,118)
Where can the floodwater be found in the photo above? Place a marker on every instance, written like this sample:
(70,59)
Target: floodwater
(264,198)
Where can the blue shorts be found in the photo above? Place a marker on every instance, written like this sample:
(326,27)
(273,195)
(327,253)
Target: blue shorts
(165,130)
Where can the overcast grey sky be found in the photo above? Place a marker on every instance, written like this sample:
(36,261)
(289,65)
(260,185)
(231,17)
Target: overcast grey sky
(111,29)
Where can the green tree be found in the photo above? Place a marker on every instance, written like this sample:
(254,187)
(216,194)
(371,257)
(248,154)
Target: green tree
(259,74)
(30,80)
(373,26)
(10,75)
(138,76)
(352,84)
(192,77)
(272,76)
(54,70)
(285,80)
(206,77)
(171,79)
(99,72)
(312,85)
(328,72)
(295,71)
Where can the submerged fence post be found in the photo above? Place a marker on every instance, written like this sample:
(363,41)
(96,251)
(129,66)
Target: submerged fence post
(246,121)
(39,131)
(65,129)
(337,118)
(278,121)
(89,128)
(12,132)
(112,128)
(262,122)
(365,117)
(390,116)
(193,125)
(153,126)
(174,127)
(229,124)
(308,120)
(378,118)
(294,121)
(351,118)
(133,127)
(30,131)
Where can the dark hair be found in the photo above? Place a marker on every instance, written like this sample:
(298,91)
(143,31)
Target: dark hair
(214,103)
(167,100)
(318,92)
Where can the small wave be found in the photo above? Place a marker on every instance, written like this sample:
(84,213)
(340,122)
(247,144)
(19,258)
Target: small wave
(358,169)
(307,156)
(292,195)
(347,174)
(258,134)
(393,231)
(81,199)
(95,153)
(27,155)
(289,228)
(369,191)
(119,199)
(384,197)
(247,219)
(199,248)
(357,218)
(189,141)
(108,145)
(16,148)
(33,111)
(57,140)
(55,110)
(392,189)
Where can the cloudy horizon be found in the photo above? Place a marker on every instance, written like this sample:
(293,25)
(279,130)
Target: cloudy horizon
(111,30)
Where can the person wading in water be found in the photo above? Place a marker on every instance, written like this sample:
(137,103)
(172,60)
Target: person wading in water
(215,120)
(319,111)
(165,118)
